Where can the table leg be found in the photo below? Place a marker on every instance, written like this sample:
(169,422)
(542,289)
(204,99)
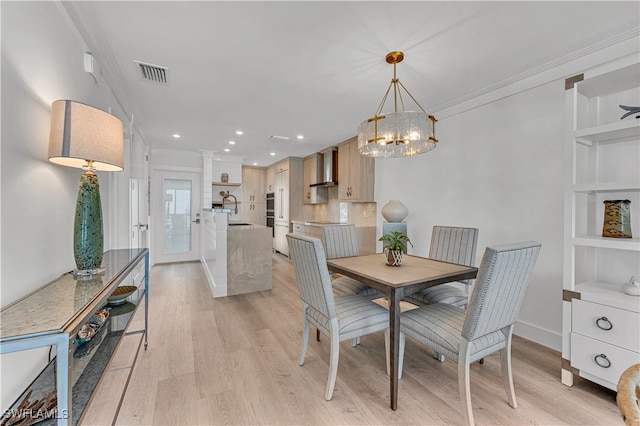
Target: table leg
(395,295)
(64,379)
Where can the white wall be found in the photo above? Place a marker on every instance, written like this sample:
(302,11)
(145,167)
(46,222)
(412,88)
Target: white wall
(498,167)
(42,60)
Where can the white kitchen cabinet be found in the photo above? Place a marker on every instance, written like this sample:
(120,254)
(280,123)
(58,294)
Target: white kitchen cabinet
(355,173)
(280,244)
(601,324)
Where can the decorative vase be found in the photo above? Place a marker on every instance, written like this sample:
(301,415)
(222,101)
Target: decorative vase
(617,219)
(394,211)
(393,257)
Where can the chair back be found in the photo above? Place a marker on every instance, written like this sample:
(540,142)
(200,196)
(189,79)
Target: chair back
(340,241)
(312,275)
(454,244)
(500,287)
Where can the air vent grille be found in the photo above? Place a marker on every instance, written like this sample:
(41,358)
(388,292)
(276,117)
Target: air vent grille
(154,73)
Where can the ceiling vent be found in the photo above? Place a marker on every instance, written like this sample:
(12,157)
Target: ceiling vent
(153,73)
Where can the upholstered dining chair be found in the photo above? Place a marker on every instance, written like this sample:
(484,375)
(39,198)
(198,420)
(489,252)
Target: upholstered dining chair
(341,317)
(342,241)
(449,244)
(486,326)
(629,395)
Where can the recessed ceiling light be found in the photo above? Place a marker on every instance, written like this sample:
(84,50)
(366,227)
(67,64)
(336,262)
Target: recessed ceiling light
(255,164)
(232,142)
(177,136)
(239,132)
(227,150)
(273,153)
(300,136)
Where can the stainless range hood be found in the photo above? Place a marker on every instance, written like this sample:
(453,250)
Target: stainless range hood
(329,168)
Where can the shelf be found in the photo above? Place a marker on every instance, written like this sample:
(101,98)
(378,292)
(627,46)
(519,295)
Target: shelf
(588,188)
(632,244)
(617,80)
(612,132)
(226,184)
(608,294)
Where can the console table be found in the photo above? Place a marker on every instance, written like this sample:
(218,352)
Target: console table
(53,315)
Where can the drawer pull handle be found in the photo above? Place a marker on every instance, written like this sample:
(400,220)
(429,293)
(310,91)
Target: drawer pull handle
(607,324)
(602,361)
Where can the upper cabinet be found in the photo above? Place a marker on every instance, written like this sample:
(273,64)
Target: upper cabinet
(355,173)
(601,322)
(313,174)
(254,194)
(271,179)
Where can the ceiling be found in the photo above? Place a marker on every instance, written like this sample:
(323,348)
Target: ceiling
(318,68)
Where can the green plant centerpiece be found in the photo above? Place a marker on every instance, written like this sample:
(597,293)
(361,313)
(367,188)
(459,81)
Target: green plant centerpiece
(396,245)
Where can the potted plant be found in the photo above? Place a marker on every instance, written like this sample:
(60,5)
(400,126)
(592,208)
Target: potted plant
(396,245)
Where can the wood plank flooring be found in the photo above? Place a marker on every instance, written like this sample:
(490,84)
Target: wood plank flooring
(234,361)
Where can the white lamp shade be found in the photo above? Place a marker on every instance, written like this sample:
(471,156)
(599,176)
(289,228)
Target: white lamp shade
(81,133)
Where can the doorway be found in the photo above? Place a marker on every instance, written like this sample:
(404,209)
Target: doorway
(176,219)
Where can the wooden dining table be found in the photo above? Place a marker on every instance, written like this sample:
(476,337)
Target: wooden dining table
(414,274)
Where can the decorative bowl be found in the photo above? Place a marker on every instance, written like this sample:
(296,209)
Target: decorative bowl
(120,294)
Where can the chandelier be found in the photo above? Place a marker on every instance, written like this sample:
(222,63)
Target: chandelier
(398,133)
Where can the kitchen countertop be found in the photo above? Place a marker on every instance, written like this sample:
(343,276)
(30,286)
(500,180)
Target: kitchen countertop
(317,222)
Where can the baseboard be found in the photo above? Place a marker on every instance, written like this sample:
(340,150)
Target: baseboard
(542,336)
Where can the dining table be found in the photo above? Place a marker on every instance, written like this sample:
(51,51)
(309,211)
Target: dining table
(415,273)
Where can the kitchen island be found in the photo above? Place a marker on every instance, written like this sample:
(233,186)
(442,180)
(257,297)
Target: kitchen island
(236,256)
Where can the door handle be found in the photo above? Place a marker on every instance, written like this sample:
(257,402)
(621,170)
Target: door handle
(197,221)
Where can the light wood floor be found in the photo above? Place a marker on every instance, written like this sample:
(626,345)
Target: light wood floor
(234,361)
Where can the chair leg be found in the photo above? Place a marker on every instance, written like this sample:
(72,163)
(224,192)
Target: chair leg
(333,360)
(355,342)
(464,382)
(438,356)
(507,376)
(317,335)
(305,339)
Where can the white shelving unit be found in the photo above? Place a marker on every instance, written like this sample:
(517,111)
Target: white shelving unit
(601,324)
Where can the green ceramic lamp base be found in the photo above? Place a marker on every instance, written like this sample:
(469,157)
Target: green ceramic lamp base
(88,244)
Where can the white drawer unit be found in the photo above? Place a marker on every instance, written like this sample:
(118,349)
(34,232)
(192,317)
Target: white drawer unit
(600,362)
(607,324)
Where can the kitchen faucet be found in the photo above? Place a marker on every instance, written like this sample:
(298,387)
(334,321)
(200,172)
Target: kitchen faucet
(226,195)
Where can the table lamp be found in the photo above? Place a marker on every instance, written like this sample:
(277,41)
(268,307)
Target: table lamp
(88,138)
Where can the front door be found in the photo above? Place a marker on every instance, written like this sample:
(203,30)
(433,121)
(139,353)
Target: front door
(177,217)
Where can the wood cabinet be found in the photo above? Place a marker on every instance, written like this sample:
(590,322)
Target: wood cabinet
(601,323)
(271,179)
(355,173)
(288,199)
(253,194)
(312,166)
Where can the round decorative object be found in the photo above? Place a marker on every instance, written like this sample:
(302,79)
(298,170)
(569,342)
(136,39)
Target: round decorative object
(224,177)
(393,257)
(394,211)
(120,294)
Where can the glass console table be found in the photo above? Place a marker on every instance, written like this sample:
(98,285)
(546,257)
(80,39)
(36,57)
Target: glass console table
(53,315)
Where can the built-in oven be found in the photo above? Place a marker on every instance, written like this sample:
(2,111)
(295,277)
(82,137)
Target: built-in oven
(270,214)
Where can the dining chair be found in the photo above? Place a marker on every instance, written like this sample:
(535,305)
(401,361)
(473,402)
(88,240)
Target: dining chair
(342,241)
(629,394)
(340,317)
(449,244)
(486,326)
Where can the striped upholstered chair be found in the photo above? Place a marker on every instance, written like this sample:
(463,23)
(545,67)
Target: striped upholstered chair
(449,244)
(342,241)
(341,317)
(486,326)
